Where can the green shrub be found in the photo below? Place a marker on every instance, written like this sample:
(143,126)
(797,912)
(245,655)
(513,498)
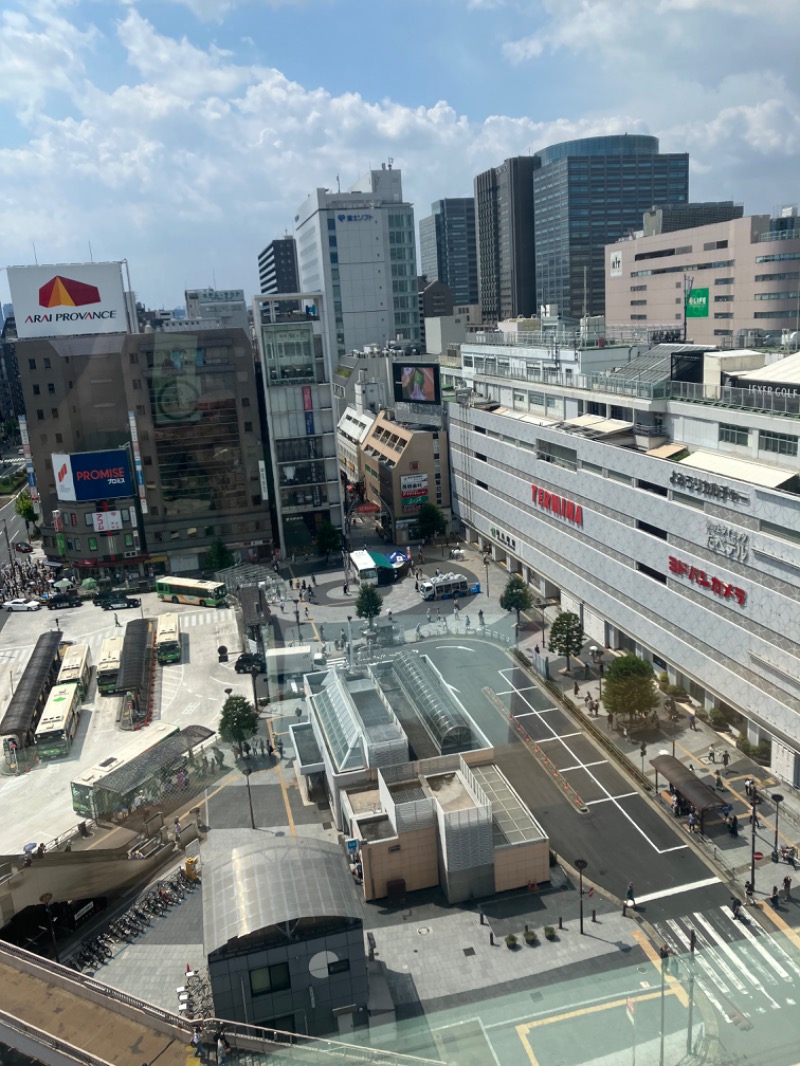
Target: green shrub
(530,937)
(663,678)
(549,932)
(511,940)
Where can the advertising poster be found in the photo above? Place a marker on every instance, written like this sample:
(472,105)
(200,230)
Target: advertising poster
(92,475)
(697,304)
(64,299)
(413,490)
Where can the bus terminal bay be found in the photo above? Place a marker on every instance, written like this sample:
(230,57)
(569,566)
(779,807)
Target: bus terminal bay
(61,732)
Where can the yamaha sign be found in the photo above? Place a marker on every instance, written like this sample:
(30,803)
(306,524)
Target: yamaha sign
(92,475)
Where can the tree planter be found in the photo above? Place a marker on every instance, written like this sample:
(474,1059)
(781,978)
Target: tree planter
(549,932)
(511,942)
(531,939)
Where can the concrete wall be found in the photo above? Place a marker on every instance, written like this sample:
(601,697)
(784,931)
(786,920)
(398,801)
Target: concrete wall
(515,866)
(415,861)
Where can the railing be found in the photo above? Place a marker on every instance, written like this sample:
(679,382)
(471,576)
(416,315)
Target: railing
(568,338)
(37,1036)
(743,399)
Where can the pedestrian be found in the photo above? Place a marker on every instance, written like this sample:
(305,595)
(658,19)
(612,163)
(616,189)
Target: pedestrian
(629,896)
(416,585)
(774,897)
(261,744)
(480,621)
(467,622)
(726,758)
(223,1047)
(748,894)
(282,610)
(197,1037)
(748,786)
(718,782)
(664,954)
(57,625)
(428,614)
(692,721)
(576,690)
(389,614)
(306,610)
(177,827)
(712,755)
(536,649)
(734,826)
(419,629)
(117,622)
(692,821)
(787,888)
(346,589)
(610,722)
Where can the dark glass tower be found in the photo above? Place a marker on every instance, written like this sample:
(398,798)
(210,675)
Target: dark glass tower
(586,194)
(448,252)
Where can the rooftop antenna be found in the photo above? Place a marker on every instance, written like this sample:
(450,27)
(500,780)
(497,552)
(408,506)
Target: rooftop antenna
(35,257)
(91,257)
(338,184)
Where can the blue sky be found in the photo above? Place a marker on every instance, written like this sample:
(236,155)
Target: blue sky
(183,134)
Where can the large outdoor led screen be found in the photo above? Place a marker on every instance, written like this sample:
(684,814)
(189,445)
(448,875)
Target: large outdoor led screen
(418,383)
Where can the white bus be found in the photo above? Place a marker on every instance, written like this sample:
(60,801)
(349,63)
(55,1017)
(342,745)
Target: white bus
(108,664)
(59,721)
(363,567)
(168,638)
(190,590)
(447,587)
(76,668)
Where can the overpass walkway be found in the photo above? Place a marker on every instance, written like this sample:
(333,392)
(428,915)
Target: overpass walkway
(59,1016)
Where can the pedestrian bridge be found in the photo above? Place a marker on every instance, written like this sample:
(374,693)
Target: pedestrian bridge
(58,1016)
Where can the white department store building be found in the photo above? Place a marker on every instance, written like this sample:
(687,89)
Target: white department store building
(659,500)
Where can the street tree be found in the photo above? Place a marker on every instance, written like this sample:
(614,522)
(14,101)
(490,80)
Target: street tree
(369,604)
(629,687)
(219,557)
(431,521)
(23,505)
(566,635)
(516,596)
(329,539)
(238,721)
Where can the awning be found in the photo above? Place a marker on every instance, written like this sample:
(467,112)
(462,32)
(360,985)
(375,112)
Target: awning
(701,796)
(770,477)
(667,451)
(54,564)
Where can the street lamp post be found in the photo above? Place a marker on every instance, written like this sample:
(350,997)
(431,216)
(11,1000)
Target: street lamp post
(580,866)
(350,640)
(753,802)
(486,564)
(777,799)
(247,771)
(297,617)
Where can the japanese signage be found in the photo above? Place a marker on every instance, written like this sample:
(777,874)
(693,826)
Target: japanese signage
(92,475)
(307,404)
(699,577)
(106,521)
(413,489)
(310,423)
(615,265)
(732,543)
(706,488)
(137,463)
(68,298)
(557,505)
(354,218)
(262,480)
(504,538)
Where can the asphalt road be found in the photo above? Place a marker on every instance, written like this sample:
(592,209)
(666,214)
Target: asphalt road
(623,837)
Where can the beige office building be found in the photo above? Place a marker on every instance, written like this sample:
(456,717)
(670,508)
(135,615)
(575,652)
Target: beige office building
(742,277)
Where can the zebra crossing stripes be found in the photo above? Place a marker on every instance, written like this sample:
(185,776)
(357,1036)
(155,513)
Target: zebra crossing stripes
(740,967)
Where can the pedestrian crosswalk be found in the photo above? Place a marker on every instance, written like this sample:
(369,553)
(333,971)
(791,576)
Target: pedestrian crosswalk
(743,970)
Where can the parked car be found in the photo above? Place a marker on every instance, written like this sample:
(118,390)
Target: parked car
(246,662)
(62,599)
(21,546)
(21,605)
(118,603)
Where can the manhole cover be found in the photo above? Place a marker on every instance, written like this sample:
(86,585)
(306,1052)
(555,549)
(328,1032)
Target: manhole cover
(424,930)
(469,951)
(536,996)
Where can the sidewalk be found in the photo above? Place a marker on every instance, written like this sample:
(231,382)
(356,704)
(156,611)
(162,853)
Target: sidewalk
(731,855)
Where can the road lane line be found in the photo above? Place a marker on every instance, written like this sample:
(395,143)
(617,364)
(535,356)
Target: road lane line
(678,888)
(608,799)
(582,766)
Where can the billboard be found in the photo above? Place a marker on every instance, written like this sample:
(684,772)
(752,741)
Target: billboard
(418,383)
(92,475)
(615,264)
(697,304)
(413,490)
(68,298)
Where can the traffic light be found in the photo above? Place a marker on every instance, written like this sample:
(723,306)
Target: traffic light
(643,749)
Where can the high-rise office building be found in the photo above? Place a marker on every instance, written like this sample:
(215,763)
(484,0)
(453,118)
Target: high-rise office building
(277,267)
(357,248)
(216,309)
(504,235)
(447,248)
(299,415)
(590,192)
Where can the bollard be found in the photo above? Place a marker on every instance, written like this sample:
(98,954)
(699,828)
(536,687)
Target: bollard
(526,927)
(483,920)
(560,922)
(491,938)
(624,910)
(594,915)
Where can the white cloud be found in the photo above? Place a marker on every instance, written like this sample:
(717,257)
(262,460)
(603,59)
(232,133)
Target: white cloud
(191,160)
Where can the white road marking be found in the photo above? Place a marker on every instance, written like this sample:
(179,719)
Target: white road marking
(608,799)
(512,691)
(560,736)
(582,766)
(454,647)
(678,889)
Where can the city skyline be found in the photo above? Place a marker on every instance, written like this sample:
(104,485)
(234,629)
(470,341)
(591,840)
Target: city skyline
(183,136)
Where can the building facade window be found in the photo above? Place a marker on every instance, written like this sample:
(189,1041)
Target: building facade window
(734,435)
(781,443)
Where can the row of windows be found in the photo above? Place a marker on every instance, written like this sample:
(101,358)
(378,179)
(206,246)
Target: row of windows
(777,295)
(777,258)
(789,275)
(721,265)
(768,441)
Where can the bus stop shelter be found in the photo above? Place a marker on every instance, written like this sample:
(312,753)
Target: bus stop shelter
(701,796)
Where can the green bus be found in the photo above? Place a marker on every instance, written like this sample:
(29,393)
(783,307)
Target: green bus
(168,638)
(190,590)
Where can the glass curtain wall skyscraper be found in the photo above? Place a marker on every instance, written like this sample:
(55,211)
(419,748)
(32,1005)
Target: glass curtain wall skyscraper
(447,248)
(590,192)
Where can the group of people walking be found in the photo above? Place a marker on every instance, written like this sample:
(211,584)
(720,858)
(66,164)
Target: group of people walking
(28,579)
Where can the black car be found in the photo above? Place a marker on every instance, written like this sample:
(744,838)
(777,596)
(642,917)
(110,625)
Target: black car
(117,603)
(62,600)
(247,662)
